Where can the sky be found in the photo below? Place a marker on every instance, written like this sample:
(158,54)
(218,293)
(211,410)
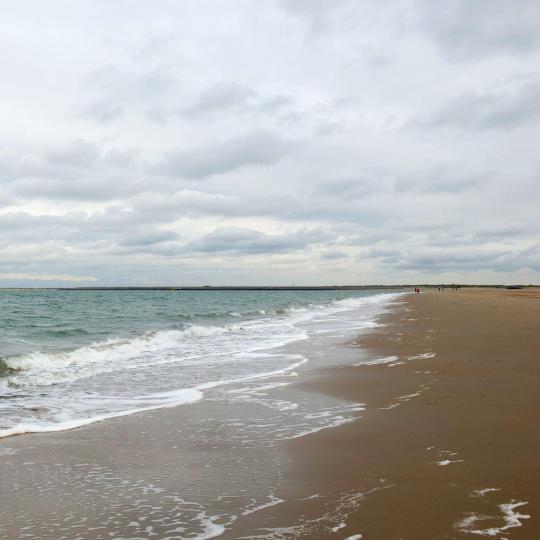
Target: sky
(269,142)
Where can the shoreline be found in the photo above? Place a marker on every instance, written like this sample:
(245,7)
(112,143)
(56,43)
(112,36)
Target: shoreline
(187,471)
(447,446)
(448,391)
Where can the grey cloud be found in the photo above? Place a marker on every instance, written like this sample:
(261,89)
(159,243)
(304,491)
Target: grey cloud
(222,96)
(366,183)
(78,153)
(285,113)
(101,230)
(117,91)
(423,259)
(148,238)
(80,169)
(468,258)
(448,260)
(439,180)
(102,110)
(236,98)
(187,203)
(333,255)
(472,30)
(319,15)
(255,148)
(498,233)
(489,110)
(77,188)
(386,256)
(248,241)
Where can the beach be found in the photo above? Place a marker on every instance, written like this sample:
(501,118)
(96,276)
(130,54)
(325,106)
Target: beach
(448,436)
(433,436)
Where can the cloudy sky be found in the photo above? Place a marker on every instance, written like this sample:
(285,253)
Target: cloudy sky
(269,142)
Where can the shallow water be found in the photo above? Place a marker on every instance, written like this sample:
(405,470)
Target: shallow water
(71,358)
(214,456)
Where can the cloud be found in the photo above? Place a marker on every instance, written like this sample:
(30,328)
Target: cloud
(117,91)
(228,97)
(248,241)
(467,30)
(333,255)
(221,97)
(458,257)
(439,180)
(77,153)
(296,140)
(503,110)
(319,15)
(21,276)
(255,148)
(79,169)
(158,207)
(149,238)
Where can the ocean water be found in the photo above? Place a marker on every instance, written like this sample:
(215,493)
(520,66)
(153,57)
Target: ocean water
(72,358)
(218,373)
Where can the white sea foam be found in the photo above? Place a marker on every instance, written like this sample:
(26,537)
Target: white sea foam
(446,462)
(42,369)
(211,529)
(118,377)
(272,502)
(168,399)
(5,451)
(423,356)
(348,414)
(482,492)
(511,520)
(384,360)
(318,527)
(159,400)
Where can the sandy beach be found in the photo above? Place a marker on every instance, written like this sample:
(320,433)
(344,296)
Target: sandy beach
(450,432)
(446,447)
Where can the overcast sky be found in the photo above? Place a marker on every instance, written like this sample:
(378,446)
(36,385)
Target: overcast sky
(269,142)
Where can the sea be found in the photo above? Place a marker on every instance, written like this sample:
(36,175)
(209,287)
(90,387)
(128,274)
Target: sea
(230,364)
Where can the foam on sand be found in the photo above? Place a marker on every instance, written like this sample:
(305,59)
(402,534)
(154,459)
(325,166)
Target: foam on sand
(384,360)
(446,462)
(318,527)
(423,356)
(273,502)
(161,400)
(511,520)
(482,492)
(170,399)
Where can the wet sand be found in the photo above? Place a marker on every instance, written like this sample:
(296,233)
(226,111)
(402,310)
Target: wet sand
(436,433)
(436,430)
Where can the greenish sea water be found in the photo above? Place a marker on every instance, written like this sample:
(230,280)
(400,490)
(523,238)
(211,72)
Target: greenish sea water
(69,358)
